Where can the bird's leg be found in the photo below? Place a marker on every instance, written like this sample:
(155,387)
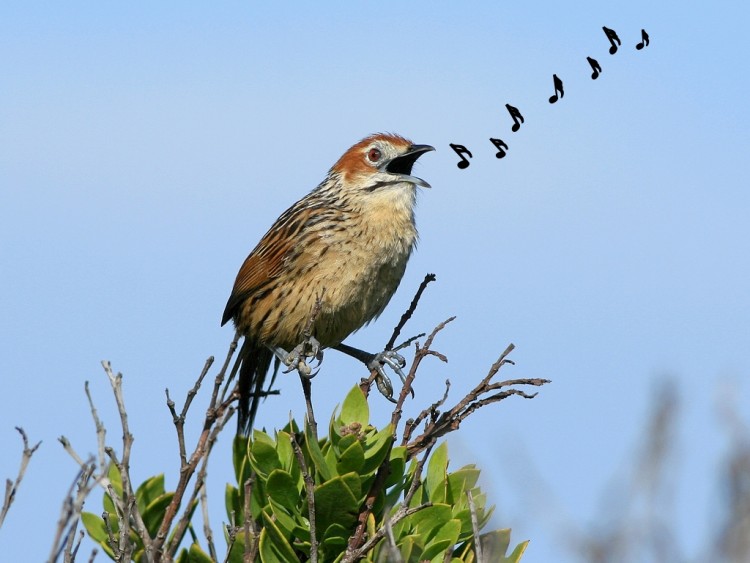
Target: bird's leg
(297,358)
(376,362)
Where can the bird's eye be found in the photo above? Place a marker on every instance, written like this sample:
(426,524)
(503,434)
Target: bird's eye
(374,155)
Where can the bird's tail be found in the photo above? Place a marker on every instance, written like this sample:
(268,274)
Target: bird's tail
(254,362)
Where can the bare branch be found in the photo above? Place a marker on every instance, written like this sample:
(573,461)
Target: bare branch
(410,311)
(71,513)
(206,524)
(101,432)
(11,487)
(310,490)
(475,528)
(439,424)
(219,411)
(251,546)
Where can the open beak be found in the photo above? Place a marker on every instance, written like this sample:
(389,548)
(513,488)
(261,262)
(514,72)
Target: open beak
(402,164)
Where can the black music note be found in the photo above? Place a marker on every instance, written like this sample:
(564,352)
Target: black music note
(595,67)
(612,36)
(500,146)
(516,115)
(460,151)
(558,89)
(644,40)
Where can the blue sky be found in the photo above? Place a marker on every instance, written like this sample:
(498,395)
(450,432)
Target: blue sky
(144,150)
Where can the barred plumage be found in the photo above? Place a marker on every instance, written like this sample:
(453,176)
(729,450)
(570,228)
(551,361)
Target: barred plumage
(346,242)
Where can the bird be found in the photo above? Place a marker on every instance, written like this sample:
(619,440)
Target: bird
(341,252)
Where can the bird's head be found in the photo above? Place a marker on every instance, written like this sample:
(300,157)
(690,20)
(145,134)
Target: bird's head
(380,161)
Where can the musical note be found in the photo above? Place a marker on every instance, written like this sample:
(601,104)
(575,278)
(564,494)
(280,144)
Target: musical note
(612,36)
(644,40)
(516,115)
(595,67)
(460,151)
(500,146)
(558,89)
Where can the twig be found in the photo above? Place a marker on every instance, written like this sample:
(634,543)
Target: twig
(354,550)
(410,311)
(305,378)
(393,553)
(219,412)
(101,431)
(432,411)
(128,496)
(179,420)
(206,524)
(422,352)
(251,546)
(307,392)
(382,474)
(366,384)
(71,513)
(71,548)
(441,424)
(12,487)
(310,490)
(475,528)
(402,513)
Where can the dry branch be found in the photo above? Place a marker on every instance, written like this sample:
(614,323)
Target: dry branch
(11,487)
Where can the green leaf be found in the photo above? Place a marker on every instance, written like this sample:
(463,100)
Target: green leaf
(237,553)
(495,544)
(353,482)
(336,535)
(278,540)
(465,479)
(518,552)
(94,526)
(352,459)
(285,451)
(284,521)
(408,545)
(197,555)
(263,456)
(282,488)
(377,448)
(109,506)
(153,514)
(398,465)
(346,441)
(240,454)
(233,502)
(316,455)
(355,408)
(334,504)
(115,479)
(434,549)
(429,520)
(152,488)
(436,474)
(446,537)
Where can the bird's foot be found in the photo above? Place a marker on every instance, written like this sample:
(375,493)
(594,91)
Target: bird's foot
(393,360)
(297,358)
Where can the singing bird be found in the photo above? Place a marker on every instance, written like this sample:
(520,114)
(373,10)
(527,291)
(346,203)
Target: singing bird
(345,246)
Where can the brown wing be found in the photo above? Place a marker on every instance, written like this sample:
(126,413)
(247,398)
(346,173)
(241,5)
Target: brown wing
(261,267)
(278,247)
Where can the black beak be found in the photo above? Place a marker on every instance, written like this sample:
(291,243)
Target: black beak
(403,164)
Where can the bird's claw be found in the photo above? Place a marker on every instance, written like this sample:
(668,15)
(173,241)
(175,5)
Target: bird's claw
(297,358)
(393,360)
